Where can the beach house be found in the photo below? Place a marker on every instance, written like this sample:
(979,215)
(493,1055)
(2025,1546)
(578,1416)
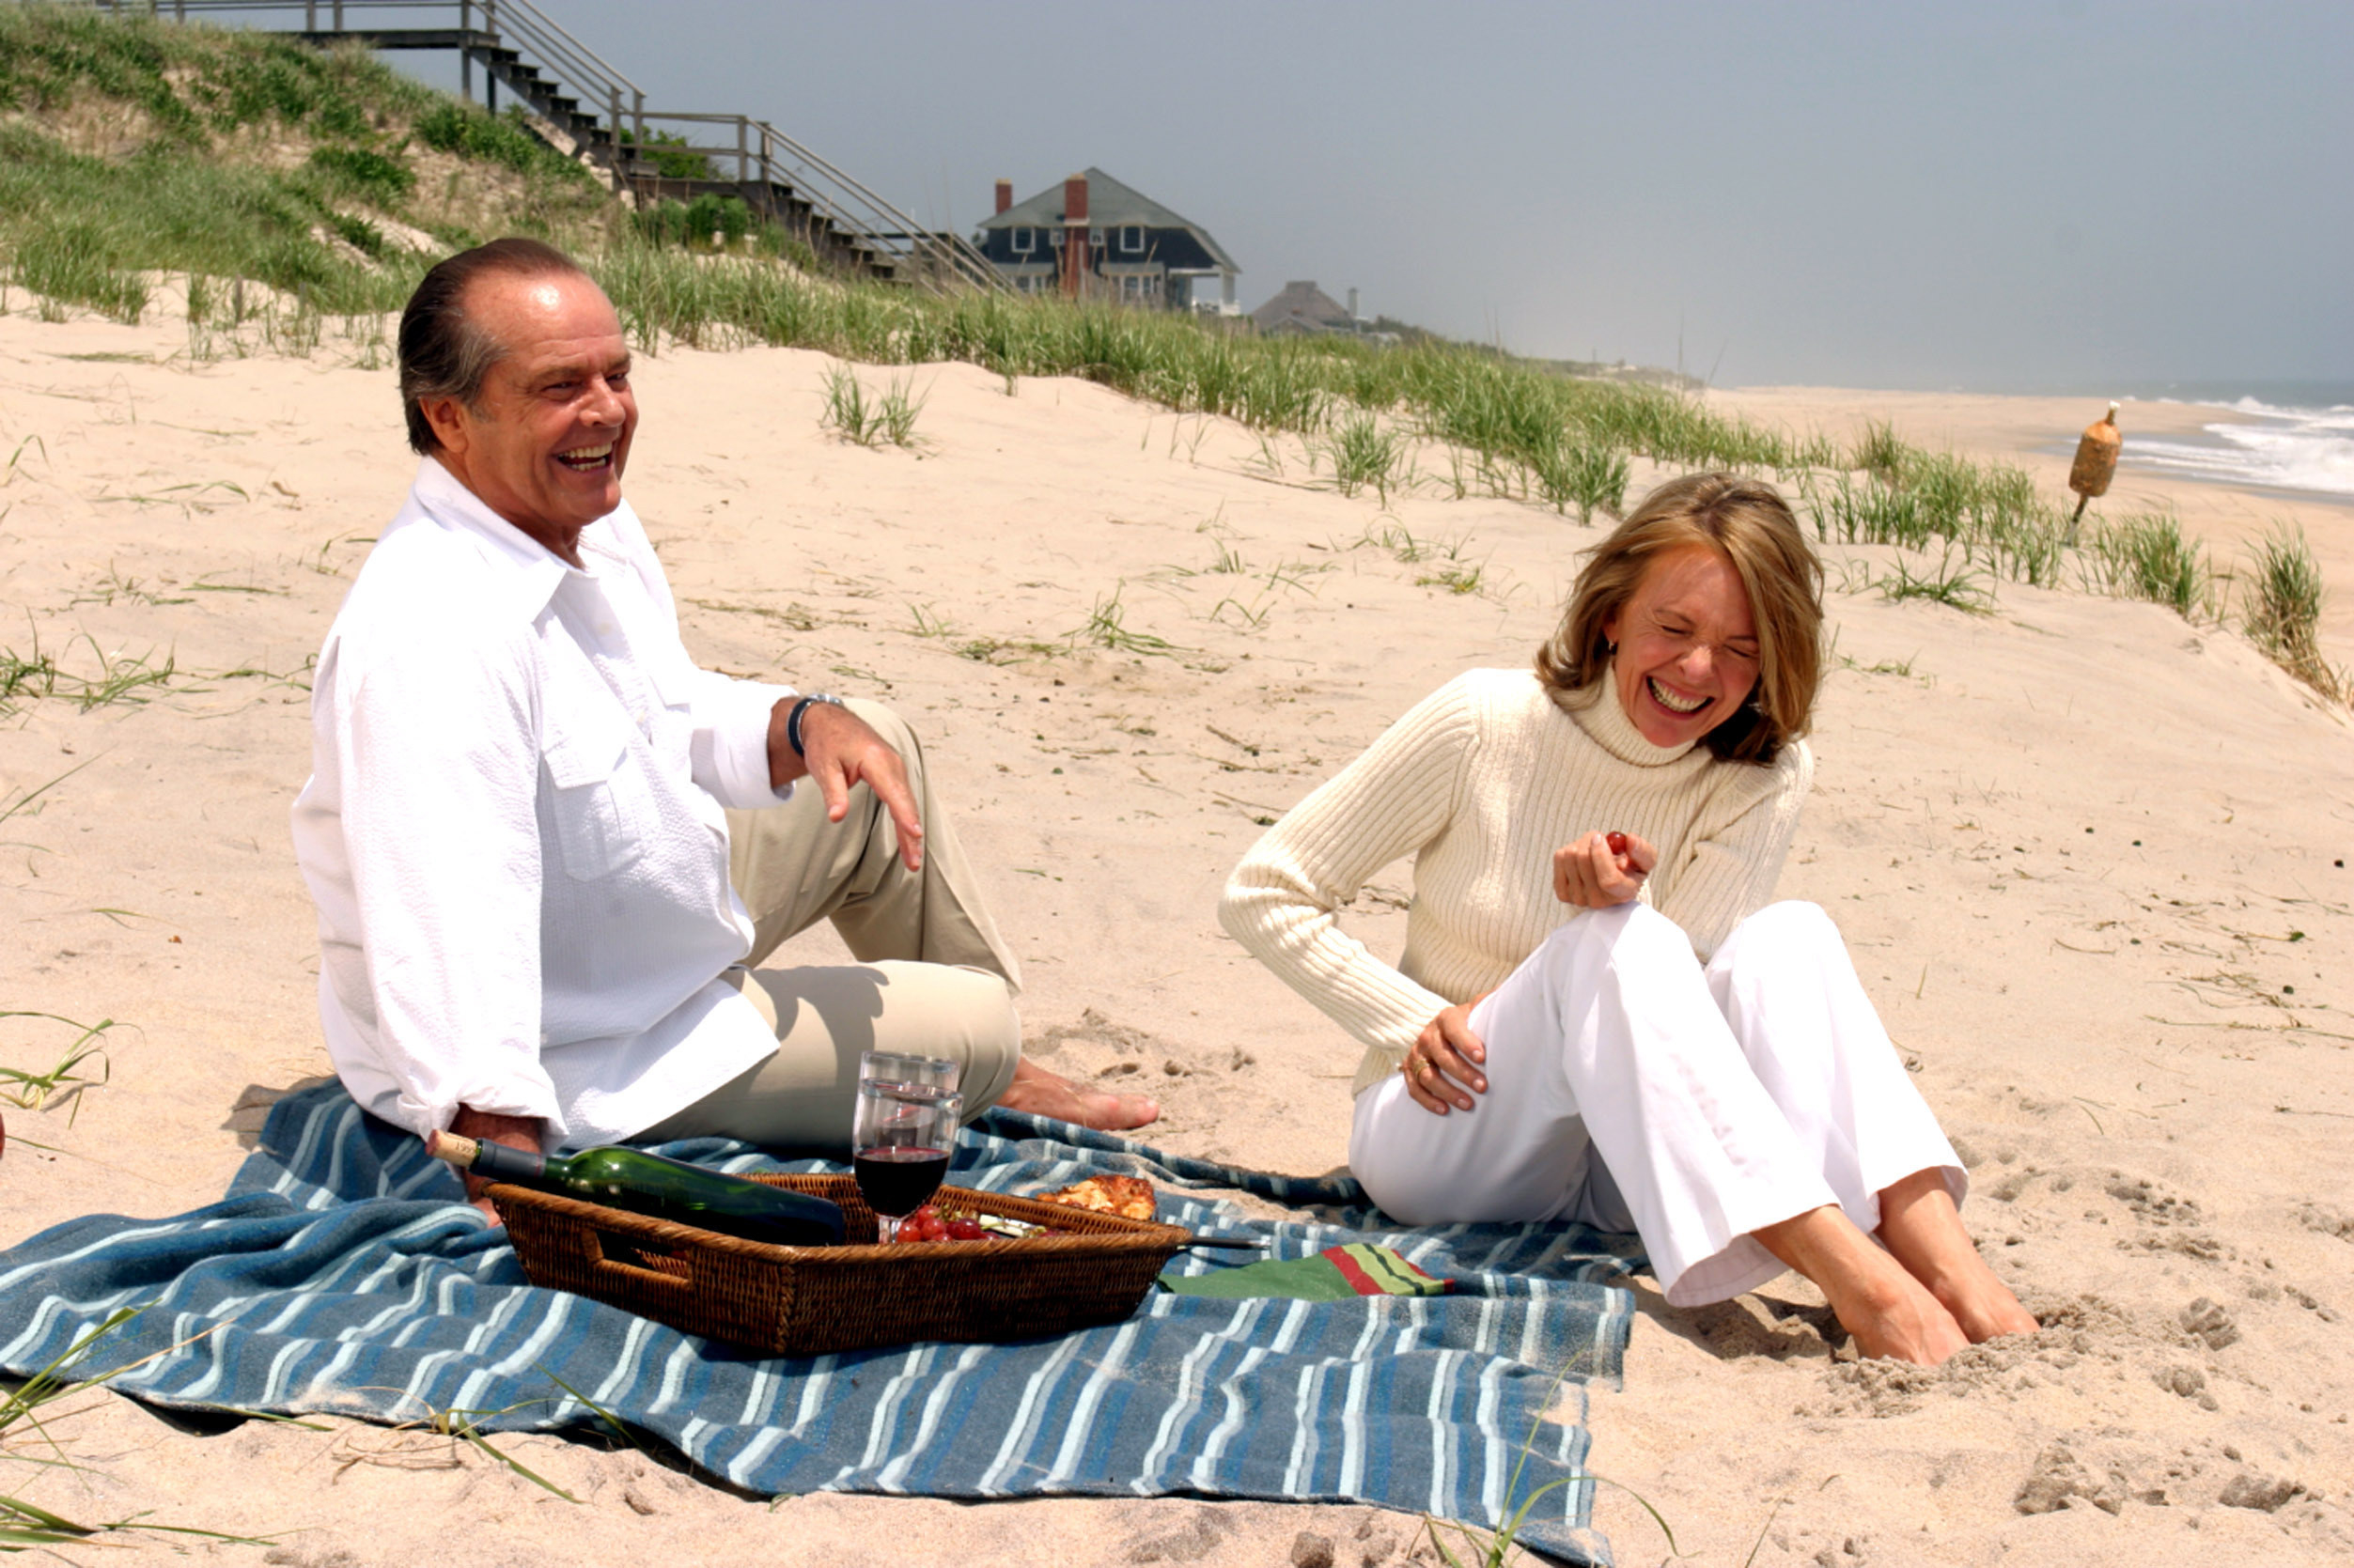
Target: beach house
(1302,309)
(1092,237)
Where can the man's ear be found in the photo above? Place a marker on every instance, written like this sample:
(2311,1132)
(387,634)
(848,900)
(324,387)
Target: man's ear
(451,422)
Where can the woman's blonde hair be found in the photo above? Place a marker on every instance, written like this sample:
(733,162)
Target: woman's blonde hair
(1748,523)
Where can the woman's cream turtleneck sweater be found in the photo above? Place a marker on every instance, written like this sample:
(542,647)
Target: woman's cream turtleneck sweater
(1481,782)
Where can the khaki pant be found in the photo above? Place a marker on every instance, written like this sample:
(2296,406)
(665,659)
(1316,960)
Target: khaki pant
(934,977)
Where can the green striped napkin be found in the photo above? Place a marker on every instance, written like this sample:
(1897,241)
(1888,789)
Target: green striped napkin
(1335,1274)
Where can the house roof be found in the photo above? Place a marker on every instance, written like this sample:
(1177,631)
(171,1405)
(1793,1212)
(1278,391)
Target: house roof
(1110,205)
(1301,304)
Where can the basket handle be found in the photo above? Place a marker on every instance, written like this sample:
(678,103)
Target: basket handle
(639,1277)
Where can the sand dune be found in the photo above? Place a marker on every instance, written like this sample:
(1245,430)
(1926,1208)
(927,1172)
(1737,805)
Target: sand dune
(2091,858)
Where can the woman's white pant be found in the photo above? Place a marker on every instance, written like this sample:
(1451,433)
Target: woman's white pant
(1630,1089)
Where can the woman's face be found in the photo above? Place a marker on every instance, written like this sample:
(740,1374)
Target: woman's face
(1687,646)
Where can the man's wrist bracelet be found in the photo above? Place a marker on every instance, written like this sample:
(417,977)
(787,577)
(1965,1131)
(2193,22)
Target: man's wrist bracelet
(800,709)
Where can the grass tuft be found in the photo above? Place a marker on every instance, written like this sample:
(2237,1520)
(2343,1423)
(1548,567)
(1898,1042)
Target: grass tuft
(1586,477)
(1950,584)
(2283,613)
(33,1090)
(2145,556)
(26,677)
(1364,453)
(864,419)
(1106,627)
(25,1524)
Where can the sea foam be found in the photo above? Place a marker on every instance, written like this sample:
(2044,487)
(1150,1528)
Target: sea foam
(2268,444)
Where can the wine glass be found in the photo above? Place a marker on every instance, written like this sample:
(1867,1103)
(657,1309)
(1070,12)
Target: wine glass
(900,1135)
(891,1066)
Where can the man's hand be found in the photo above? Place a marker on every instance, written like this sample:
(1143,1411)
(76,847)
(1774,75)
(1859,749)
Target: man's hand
(1590,875)
(484,1127)
(1443,1063)
(842,749)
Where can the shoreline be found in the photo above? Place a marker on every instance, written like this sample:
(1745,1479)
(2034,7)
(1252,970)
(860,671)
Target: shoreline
(2039,433)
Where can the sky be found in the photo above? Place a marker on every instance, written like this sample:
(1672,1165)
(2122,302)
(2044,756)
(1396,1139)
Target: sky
(1997,196)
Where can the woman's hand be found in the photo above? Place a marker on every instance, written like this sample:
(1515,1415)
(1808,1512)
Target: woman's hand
(1591,874)
(1443,1062)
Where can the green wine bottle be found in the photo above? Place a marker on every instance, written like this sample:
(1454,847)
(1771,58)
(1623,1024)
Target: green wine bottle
(655,1186)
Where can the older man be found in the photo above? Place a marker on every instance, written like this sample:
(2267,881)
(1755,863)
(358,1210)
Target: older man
(545,846)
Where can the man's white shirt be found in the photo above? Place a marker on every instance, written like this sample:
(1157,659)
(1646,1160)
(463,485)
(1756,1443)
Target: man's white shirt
(513,831)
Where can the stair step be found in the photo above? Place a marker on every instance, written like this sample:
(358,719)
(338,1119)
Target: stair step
(594,137)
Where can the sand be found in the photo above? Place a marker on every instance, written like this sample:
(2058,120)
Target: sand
(2083,850)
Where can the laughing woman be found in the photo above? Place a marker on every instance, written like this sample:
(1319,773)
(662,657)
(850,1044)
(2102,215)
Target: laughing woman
(1598,1016)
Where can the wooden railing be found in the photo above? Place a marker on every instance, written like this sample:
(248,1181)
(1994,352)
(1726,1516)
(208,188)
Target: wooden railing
(587,100)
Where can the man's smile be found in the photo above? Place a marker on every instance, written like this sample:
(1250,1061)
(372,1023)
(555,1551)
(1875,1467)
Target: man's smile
(587,460)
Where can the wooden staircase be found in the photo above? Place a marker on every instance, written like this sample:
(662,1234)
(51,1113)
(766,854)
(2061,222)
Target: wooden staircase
(584,107)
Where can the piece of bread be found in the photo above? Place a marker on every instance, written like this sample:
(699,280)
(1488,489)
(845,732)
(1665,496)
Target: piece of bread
(1129,1196)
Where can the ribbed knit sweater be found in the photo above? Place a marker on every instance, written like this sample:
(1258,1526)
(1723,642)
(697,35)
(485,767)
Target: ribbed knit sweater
(1481,782)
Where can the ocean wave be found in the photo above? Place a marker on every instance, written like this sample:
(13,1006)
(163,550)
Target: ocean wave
(2273,447)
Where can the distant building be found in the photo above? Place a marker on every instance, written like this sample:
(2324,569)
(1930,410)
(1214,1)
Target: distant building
(1304,308)
(1095,237)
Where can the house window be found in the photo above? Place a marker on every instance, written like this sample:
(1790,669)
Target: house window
(1132,237)
(1054,237)
(1026,241)
(1095,239)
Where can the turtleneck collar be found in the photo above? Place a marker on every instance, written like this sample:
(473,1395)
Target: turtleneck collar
(1597,711)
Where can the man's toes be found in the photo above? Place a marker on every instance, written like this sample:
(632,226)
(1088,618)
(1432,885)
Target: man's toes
(1132,1111)
(1119,1113)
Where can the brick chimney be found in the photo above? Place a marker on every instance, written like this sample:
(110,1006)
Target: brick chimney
(1074,236)
(1005,194)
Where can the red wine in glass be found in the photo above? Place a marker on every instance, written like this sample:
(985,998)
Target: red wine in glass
(900,1135)
(897,1180)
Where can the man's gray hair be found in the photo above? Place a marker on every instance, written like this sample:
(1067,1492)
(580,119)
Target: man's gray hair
(443,352)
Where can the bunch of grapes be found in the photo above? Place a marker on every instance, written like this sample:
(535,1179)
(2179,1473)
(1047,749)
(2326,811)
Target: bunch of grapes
(926,1224)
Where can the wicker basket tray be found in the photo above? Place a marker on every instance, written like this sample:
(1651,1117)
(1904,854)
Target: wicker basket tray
(809,1300)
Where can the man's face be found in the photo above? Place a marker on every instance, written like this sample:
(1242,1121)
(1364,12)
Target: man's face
(546,448)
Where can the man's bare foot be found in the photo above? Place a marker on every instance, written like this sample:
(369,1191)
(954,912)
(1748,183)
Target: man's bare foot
(1044,1094)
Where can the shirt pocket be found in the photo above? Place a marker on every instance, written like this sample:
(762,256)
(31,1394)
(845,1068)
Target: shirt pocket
(602,814)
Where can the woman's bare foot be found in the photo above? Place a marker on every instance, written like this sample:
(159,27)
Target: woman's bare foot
(1044,1094)
(1898,1318)
(1924,1231)
(1984,1306)
(1886,1309)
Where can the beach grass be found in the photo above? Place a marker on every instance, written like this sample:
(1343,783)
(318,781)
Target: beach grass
(33,1090)
(869,419)
(25,1411)
(169,171)
(271,254)
(1365,453)
(1591,478)
(128,679)
(1106,626)
(2145,556)
(1951,582)
(2282,612)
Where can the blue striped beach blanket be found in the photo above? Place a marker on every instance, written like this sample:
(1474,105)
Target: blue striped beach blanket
(344,1274)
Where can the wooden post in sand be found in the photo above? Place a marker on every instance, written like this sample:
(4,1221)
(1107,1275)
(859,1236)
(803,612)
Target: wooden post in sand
(2096,464)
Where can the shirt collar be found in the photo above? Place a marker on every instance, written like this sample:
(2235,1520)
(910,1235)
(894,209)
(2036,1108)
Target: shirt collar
(1597,711)
(536,571)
